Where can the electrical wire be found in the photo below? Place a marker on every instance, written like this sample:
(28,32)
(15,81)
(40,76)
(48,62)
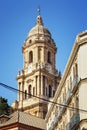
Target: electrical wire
(62,105)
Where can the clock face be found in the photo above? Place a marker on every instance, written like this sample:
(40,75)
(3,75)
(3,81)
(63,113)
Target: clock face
(30,68)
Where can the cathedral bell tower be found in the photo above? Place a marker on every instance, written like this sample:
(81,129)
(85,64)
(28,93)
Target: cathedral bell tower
(39,77)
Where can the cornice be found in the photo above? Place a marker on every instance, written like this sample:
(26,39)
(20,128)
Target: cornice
(40,43)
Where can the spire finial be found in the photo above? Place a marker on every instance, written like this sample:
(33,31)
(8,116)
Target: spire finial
(38,10)
(39,18)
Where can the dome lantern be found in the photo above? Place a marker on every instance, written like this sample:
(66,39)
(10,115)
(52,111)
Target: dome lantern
(39,32)
(39,20)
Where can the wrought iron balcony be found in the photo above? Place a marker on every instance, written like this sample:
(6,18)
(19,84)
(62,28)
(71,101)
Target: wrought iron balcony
(55,120)
(75,82)
(60,112)
(75,119)
(64,102)
(68,126)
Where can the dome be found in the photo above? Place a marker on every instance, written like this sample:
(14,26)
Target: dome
(39,29)
(39,34)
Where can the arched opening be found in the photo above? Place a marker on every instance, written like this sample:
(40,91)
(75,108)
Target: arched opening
(49,57)
(76,69)
(19,90)
(73,72)
(46,91)
(44,85)
(39,54)
(33,90)
(70,81)
(30,41)
(53,93)
(50,91)
(29,91)
(30,57)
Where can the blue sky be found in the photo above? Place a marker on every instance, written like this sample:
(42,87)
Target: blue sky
(64,19)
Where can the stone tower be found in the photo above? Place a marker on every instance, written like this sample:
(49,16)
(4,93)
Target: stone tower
(39,77)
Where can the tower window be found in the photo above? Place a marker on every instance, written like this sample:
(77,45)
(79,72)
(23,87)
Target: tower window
(76,70)
(53,93)
(50,91)
(29,91)
(36,83)
(46,91)
(49,57)
(33,90)
(43,85)
(19,89)
(30,57)
(30,41)
(49,41)
(39,53)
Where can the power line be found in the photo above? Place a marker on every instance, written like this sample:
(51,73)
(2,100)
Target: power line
(62,105)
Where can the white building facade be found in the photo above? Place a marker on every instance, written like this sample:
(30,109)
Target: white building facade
(70,112)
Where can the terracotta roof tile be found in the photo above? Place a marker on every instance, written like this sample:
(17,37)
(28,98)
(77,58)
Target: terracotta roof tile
(26,119)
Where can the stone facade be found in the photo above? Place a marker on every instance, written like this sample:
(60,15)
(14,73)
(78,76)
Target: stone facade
(39,77)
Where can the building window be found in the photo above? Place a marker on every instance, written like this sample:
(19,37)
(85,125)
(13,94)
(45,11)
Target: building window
(76,69)
(53,93)
(49,41)
(30,57)
(73,72)
(25,94)
(29,91)
(63,96)
(19,90)
(56,110)
(39,54)
(43,85)
(49,57)
(36,83)
(30,41)
(50,91)
(70,82)
(46,91)
(33,90)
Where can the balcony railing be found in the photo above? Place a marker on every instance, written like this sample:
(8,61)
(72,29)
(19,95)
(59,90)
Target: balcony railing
(59,114)
(75,119)
(55,120)
(75,82)
(68,126)
(64,102)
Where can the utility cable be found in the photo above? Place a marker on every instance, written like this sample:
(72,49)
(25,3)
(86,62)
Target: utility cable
(62,105)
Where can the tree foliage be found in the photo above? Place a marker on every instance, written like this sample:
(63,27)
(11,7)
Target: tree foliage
(4,107)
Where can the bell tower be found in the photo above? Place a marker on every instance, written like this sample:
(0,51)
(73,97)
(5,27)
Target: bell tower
(39,77)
